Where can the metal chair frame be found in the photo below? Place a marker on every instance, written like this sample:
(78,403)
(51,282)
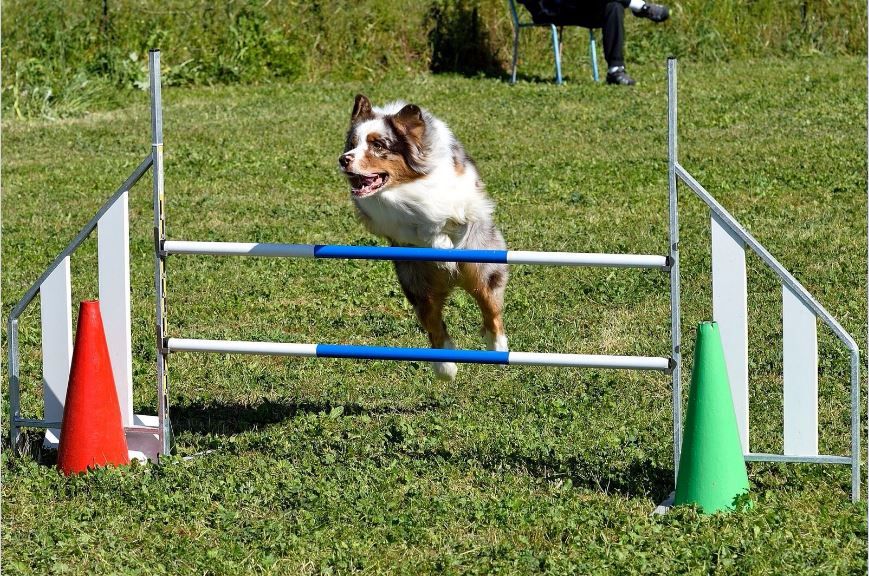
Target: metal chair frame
(556,47)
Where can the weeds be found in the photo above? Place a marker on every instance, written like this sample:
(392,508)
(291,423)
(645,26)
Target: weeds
(62,58)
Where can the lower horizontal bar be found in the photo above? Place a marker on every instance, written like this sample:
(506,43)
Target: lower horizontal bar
(142,429)
(589,259)
(420,354)
(410,253)
(35,423)
(411,354)
(811,459)
(592,361)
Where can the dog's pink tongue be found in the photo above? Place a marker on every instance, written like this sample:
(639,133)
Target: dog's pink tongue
(369,182)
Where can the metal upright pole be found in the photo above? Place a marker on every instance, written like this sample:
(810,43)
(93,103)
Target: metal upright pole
(159,258)
(855,424)
(675,303)
(14,384)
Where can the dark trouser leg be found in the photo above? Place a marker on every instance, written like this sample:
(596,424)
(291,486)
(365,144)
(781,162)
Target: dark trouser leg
(614,34)
(609,16)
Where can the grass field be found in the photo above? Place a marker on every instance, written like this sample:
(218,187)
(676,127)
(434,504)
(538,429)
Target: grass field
(339,467)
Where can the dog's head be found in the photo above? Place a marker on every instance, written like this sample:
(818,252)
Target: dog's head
(384,147)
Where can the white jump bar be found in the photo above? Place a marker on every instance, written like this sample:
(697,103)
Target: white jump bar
(590,361)
(415,254)
(239,249)
(591,259)
(419,354)
(241,347)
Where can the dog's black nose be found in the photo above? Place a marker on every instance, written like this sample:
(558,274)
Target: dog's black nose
(345,159)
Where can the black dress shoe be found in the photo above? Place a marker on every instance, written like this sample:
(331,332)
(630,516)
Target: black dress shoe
(619,76)
(654,12)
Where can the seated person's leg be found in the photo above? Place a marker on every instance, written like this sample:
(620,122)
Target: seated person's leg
(614,34)
(654,12)
(614,42)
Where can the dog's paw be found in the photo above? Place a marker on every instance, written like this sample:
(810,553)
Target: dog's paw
(442,241)
(495,342)
(444,370)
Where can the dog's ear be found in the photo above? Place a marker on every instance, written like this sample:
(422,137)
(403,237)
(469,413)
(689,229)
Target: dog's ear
(361,109)
(409,121)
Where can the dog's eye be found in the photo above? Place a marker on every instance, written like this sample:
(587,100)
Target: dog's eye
(378,145)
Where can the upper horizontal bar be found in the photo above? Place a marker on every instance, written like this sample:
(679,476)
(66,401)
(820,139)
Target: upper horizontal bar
(420,354)
(416,254)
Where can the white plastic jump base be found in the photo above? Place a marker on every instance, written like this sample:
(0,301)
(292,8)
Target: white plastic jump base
(148,436)
(143,442)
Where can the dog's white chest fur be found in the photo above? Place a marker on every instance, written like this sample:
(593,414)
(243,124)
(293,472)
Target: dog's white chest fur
(431,211)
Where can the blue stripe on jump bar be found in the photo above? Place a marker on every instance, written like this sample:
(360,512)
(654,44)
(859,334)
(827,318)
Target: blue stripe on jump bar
(422,354)
(409,253)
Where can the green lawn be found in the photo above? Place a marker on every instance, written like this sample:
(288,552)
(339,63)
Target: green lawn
(337,466)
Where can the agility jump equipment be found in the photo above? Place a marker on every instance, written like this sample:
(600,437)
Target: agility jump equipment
(149,436)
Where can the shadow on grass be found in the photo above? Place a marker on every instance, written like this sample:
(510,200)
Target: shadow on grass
(635,479)
(581,77)
(459,40)
(532,78)
(638,478)
(227,419)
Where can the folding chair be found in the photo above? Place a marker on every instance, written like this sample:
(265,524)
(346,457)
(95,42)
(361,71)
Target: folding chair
(518,25)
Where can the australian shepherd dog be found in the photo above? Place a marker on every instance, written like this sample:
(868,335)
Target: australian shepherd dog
(413,184)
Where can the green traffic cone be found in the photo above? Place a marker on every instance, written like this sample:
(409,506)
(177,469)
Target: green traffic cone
(711,468)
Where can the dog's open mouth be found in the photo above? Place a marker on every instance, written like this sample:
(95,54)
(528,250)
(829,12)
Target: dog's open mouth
(362,185)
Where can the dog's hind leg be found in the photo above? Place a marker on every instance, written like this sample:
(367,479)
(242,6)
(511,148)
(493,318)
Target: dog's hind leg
(493,332)
(427,288)
(486,284)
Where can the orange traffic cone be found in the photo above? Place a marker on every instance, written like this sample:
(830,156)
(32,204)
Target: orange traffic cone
(92,433)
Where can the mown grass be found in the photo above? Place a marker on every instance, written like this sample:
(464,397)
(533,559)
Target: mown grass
(340,466)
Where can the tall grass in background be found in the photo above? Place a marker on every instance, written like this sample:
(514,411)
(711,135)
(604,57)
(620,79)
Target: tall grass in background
(66,57)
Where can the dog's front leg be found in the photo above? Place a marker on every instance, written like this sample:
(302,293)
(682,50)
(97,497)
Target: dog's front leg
(427,287)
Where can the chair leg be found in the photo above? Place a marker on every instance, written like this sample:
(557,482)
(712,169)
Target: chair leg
(557,51)
(515,53)
(592,47)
